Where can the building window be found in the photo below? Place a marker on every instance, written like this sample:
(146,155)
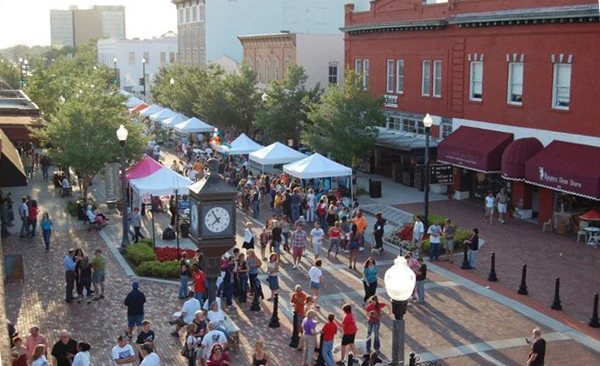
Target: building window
(276,69)
(194,14)
(358,66)
(187,15)
(515,83)
(399,76)
(426,79)
(258,70)
(389,81)
(172,57)
(476,85)
(201,13)
(445,129)
(437,79)
(132,58)
(366,74)
(333,72)
(181,16)
(147,57)
(288,63)
(561,91)
(163,58)
(267,71)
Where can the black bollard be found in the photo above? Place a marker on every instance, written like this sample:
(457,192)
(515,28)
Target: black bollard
(465,263)
(257,293)
(492,277)
(320,361)
(295,340)
(350,359)
(274,323)
(412,359)
(523,287)
(556,303)
(594,322)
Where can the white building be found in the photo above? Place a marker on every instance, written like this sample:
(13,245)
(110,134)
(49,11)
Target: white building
(129,54)
(321,56)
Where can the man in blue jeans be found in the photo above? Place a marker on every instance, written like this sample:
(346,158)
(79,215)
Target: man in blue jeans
(473,243)
(421,273)
(435,235)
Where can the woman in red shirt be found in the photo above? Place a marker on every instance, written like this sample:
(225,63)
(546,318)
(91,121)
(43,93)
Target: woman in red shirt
(349,329)
(374,315)
(217,357)
(335,236)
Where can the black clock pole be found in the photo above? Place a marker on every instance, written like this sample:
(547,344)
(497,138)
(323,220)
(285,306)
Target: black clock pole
(177,222)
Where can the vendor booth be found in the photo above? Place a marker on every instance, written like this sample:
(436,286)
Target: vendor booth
(174,120)
(240,146)
(162,115)
(154,108)
(161,183)
(193,125)
(317,166)
(133,102)
(143,168)
(139,108)
(276,153)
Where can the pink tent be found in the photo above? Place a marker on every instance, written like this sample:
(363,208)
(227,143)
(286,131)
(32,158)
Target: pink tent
(143,168)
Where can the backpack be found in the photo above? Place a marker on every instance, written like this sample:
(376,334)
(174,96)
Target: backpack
(168,234)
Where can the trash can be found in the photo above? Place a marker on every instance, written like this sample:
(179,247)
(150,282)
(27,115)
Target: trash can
(375,188)
(185,230)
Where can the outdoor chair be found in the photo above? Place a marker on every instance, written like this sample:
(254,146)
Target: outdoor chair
(547,226)
(581,232)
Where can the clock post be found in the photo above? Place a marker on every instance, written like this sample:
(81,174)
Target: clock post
(212,221)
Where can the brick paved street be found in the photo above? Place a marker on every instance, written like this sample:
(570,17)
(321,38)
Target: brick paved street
(462,323)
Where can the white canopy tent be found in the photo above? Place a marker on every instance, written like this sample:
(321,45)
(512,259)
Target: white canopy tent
(276,153)
(151,110)
(163,114)
(241,145)
(316,166)
(193,125)
(161,183)
(176,119)
(133,102)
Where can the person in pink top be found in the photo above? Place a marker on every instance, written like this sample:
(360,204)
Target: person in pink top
(33,339)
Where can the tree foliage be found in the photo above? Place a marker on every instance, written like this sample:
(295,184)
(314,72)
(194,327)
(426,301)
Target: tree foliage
(285,107)
(343,121)
(9,73)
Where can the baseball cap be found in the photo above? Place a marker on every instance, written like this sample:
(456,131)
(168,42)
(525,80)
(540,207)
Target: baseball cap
(135,284)
(123,336)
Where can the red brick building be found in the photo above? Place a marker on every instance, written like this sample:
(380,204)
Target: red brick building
(513,86)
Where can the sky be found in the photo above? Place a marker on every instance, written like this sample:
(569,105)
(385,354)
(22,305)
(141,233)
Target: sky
(28,22)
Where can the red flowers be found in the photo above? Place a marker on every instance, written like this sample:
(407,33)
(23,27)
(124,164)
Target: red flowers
(170,254)
(406,233)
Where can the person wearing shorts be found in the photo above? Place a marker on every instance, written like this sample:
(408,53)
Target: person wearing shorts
(98,275)
(502,199)
(299,241)
(316,278)
(134,301)
(449,231)
(489,207)
(348,325)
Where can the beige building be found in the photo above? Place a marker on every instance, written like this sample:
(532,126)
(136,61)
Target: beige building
(191,29)
(76,26)
(321,56)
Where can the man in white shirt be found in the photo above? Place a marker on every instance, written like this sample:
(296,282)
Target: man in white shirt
(418,231)
(311,201)
(188,312)
(489,207)
(212,337)
(316,238)
(150,358)
(123,353)
(435,236)
(24,213)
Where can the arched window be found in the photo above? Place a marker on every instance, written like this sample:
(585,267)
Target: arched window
(276,69)
(258,70)
(267,71)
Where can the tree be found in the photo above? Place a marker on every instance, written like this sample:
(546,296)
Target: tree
(9,73)
(344,120)
(285,106)
(242,100)
(82,133)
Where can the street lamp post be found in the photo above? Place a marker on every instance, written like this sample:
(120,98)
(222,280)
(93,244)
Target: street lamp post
(144,77)
(116,78)
(122,136)
(427,122)
(399,284)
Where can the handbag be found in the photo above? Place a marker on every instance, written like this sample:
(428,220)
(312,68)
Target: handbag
(185,352)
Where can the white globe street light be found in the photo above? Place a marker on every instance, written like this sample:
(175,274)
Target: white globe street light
(399,284)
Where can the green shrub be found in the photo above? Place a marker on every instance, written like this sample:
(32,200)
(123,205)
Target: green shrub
(72,208)
(139,253)
(431,219)
(167,270)
(147,241)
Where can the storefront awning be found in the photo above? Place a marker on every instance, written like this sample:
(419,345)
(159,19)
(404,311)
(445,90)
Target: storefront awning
(402,140)
(12,173)
(566,167)
(516,154)
(474,148)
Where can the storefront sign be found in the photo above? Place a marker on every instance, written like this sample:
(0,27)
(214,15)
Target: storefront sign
(440,174)
(391,101)
(112,181)
(559,181)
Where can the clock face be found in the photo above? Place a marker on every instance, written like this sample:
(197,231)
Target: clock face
(217,219)
(194,217)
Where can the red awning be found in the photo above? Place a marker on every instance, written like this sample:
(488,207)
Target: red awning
(139,108)
(566,167)
(474,148)
(591,215)
(516,154)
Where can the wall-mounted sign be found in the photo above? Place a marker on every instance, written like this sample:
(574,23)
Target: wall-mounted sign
(440,174)
(390,101)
